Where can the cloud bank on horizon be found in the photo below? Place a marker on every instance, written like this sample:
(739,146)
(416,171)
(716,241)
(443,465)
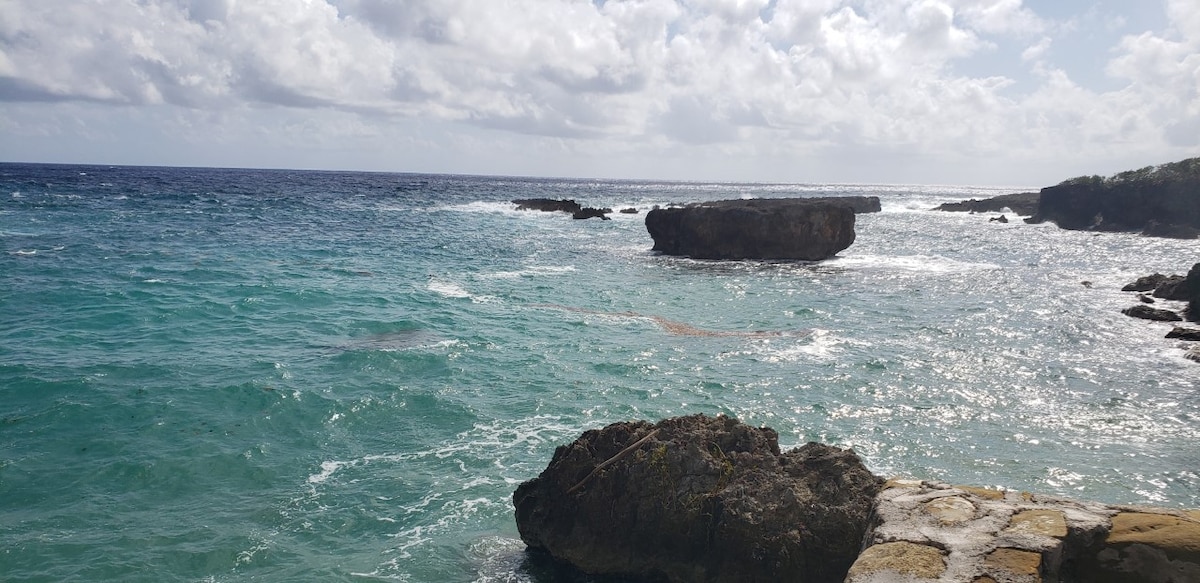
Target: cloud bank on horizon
(928,91)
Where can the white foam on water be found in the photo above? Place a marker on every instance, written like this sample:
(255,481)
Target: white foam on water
(447,289)
(499,208)
(453,290)
(531,271)
(497,559)
(327,469)
(913,204)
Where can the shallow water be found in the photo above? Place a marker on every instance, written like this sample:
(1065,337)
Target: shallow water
(227,375)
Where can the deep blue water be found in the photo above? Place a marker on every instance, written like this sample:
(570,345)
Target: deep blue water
(235,375)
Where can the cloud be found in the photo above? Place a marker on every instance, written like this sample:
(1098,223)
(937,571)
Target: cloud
(1001,17)
(625,78)
(1163,74)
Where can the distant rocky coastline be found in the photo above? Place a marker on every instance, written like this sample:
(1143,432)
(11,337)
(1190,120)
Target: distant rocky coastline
(703,498)
(1021,203)
(1156,201)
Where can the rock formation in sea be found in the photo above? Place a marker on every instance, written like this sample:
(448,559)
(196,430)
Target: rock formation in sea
(547,205)
(1021,203)
(1148,313)
(699,499)
(711,499)
(590,213)
(1156,200)
(576,210)
(1171,288)
(807,229)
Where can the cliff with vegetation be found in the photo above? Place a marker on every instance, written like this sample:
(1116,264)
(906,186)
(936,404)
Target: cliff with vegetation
(1156,200)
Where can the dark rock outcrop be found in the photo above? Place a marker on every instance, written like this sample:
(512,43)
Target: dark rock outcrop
(628,211)
(1167,195)
(699,499)
(1021,203)
(1147,282)
(1191,291)
(547,205)
(1166,287)
(1181,333)
(589,213)
(1148,313)
(999,219)
(1173,288)
(798,228)
(1157,229)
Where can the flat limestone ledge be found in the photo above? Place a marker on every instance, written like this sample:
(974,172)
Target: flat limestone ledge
(926,532)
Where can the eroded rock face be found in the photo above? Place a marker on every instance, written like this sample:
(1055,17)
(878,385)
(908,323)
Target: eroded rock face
(1158,200)
(799,229)
(699,499)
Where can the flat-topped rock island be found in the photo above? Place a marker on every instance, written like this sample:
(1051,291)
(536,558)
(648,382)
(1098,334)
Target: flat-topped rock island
(806,229)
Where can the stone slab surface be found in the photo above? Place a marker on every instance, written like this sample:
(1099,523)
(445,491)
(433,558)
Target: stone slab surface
(927,532)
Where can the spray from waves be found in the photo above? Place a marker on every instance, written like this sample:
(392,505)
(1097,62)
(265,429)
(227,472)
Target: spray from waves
(494,207)
(449,493)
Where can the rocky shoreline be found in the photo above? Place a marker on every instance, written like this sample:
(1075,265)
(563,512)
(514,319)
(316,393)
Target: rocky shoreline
(1173,290)
(703,498)
(1157,201)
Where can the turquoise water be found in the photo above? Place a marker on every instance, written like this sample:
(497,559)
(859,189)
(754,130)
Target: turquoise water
(235,375)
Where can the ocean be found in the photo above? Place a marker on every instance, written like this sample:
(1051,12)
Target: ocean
(273,375)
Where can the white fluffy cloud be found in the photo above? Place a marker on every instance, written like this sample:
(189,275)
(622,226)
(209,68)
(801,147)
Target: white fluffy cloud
(746,80)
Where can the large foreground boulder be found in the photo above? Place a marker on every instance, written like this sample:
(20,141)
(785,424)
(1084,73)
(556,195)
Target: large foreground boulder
(1154,200)
(795,229)
(699,499)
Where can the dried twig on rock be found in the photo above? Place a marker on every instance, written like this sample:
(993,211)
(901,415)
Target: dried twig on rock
(612,460)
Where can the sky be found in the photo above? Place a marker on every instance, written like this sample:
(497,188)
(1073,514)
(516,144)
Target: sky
(978,92)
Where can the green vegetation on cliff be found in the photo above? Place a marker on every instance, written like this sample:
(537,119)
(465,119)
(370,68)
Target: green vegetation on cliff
(1156,200)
